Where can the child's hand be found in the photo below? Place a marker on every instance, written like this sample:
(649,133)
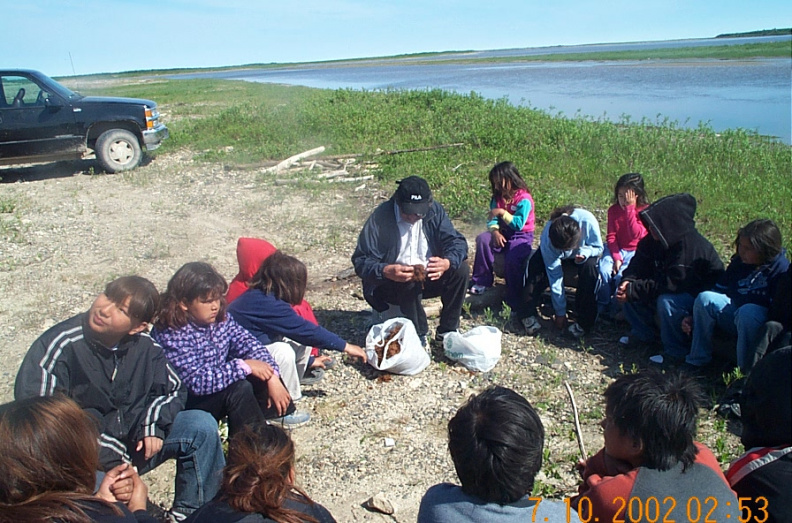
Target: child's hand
(498,239)
(139,494)
(580,467)
(629,198)
(616,266)
(621,292)
(398,273)
(496,213)
(117,484)
(260,369)
(560,321)
(355,351)
(687,325)
(579,258)
(278,396)
(150,444)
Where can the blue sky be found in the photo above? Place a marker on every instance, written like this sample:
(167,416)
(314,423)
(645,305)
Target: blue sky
(121,35)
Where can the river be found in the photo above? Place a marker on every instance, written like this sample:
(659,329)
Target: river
(753,94)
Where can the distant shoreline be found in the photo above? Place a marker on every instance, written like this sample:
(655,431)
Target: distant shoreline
(780,49)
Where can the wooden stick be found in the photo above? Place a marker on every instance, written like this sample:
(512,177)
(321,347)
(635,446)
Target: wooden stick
(419,149)
(578,432)
(288,162)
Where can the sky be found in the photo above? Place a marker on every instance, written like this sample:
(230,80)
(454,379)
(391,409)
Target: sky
(65,37)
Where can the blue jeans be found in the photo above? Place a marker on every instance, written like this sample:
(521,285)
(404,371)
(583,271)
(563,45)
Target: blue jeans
(609,281)
(194,442)
(715,309)
(670,309)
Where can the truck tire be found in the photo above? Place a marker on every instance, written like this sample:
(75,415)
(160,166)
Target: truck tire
(118,150)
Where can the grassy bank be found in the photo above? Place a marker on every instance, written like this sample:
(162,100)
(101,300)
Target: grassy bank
(736,176)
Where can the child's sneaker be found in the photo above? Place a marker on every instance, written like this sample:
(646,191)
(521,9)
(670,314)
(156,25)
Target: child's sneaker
(531,325)
(477,289)
(295,419)
(576,331)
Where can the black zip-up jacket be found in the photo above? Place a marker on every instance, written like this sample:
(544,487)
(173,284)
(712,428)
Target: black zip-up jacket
(674,257)
(378,244)
(132,391)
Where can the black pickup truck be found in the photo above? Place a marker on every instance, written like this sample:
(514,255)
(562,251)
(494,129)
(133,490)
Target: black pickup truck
(43,121)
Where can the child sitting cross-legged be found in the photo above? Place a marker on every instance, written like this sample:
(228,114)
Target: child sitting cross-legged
(651,461)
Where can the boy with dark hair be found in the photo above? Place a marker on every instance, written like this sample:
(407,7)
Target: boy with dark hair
(105,361)
(650,452)
(761,477)
(495,441)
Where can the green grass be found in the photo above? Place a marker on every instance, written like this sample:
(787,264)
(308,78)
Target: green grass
(736,175)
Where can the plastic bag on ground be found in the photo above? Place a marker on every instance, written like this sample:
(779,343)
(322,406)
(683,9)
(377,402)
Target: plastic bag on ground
(478,349)
(411,357)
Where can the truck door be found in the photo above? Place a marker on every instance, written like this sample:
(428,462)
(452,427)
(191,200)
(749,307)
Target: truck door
(34,122)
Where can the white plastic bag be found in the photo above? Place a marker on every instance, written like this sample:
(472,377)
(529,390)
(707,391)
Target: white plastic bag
(411,359)
(478,349)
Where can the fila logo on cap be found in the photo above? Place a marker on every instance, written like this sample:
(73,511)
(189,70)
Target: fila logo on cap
(416,197)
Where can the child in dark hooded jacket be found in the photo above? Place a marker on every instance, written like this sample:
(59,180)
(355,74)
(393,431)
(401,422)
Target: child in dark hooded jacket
(671,266)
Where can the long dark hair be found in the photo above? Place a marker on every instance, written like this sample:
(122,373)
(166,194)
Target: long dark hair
(635,182)
(764,236)
(282,275)
(257,476)
(505,171)
(49,457)
(192,281)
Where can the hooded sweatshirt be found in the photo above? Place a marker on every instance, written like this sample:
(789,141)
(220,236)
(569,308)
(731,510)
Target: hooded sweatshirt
(250,253)
(674,257)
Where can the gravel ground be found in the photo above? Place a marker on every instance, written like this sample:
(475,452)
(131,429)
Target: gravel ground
(66,232)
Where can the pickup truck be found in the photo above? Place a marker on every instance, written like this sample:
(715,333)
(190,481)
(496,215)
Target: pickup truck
(43,121)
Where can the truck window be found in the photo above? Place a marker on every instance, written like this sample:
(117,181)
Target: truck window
(20,91)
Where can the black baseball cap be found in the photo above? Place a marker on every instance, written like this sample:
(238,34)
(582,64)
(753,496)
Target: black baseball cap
(414,195)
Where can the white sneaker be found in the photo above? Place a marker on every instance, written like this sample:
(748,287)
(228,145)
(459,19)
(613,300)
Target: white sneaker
(576,330)
(531,325)
(477,289)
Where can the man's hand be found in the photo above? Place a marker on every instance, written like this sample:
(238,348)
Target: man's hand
(278,396)
(260,369)
(621,292)
(436,267)
(498,239)
(117,484)
(151,445)
(398,273)
(355,351)
(579,258)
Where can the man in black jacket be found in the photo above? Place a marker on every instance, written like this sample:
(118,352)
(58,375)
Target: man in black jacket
(407,231)
(671,266)
(105,361)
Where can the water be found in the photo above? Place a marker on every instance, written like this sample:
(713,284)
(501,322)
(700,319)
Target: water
(751,94)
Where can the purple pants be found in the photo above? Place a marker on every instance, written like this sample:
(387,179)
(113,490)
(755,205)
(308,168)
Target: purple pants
(517,251)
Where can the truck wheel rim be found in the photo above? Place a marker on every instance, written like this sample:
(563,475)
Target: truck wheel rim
(121,152)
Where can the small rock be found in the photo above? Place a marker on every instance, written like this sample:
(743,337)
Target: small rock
(380,503)
(390,442)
